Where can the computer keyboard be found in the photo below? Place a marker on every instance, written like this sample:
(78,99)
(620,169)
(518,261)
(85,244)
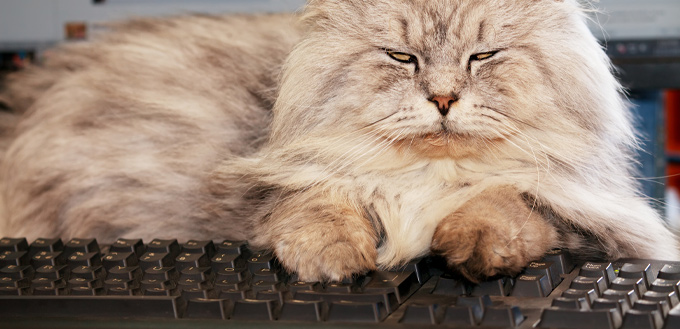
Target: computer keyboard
(164,283)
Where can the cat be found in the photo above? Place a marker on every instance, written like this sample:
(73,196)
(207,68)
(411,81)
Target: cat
(356,135)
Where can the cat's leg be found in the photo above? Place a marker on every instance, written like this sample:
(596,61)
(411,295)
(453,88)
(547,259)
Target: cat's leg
(494,233)
(321,236)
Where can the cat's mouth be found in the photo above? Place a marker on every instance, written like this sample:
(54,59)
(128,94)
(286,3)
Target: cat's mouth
(443,143)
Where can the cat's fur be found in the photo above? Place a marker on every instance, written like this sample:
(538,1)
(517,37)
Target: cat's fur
(163,129)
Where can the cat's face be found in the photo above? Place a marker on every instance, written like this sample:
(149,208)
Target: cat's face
(442,78)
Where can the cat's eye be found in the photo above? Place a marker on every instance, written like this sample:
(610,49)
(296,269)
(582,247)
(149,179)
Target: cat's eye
(401,57)
(482,56)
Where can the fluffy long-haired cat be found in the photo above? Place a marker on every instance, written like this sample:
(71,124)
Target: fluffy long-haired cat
(359,135)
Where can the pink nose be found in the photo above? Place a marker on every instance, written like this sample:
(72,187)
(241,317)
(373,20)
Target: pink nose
(444,103)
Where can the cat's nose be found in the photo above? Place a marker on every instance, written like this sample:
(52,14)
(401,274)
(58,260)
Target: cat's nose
(444,103)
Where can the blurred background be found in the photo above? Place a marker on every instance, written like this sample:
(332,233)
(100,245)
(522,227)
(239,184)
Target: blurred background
(641,37)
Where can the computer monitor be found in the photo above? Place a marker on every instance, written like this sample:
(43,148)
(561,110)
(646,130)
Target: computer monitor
(643,40)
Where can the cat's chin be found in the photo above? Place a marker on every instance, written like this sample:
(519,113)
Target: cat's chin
(443,145)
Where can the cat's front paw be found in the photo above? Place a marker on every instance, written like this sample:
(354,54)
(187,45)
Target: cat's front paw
(495,233)
(328,251)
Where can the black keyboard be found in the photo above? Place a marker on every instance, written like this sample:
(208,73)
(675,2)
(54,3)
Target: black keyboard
(163,283)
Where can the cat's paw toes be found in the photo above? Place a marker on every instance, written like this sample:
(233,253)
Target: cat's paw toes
(479,251)
(318,258)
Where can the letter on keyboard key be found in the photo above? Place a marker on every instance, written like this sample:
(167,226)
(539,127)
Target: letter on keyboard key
(80,245)
(17,258)
(595,270)
(163,246)
(13,244)
(199,247)
(43,244)
(532,286)
(548,269)
(576,319)
(135,246)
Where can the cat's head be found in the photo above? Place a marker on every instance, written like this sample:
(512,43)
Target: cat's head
(450,78)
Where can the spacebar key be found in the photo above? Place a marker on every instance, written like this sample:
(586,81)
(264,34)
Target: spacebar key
(91,306)
(579,319)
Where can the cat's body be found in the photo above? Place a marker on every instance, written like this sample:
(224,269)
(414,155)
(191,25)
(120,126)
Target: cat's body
(486,131)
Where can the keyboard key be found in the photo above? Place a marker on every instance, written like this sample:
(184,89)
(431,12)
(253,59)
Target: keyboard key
(258,261)
(669,272)
(13,244)
(184,260)
(156,259)
(135,246)
(80,245)
(88,272)
(402,284)
(450,285)
(208,309)
(548,269)
(577,319)
(673,318)
(588,295)
(53,258)
(636,319)
(160,246)
(133,273)
(199,247)
(637,271)
(122,259)
(346,312)
(305,311)
(650,306)
(663,285)
(527,285)
(389,300)
(114,307)
(584,283)
(51,272)
(232,247)
(562,258)
(494,287)
(636,285)
(420,267)
(248,309)
(420,314)
(669,297)
(17,272)
(502,317)
(79,258)
(45,244)
(571,303)
(596,270)
(466,315)
(224,260)
(17,258)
